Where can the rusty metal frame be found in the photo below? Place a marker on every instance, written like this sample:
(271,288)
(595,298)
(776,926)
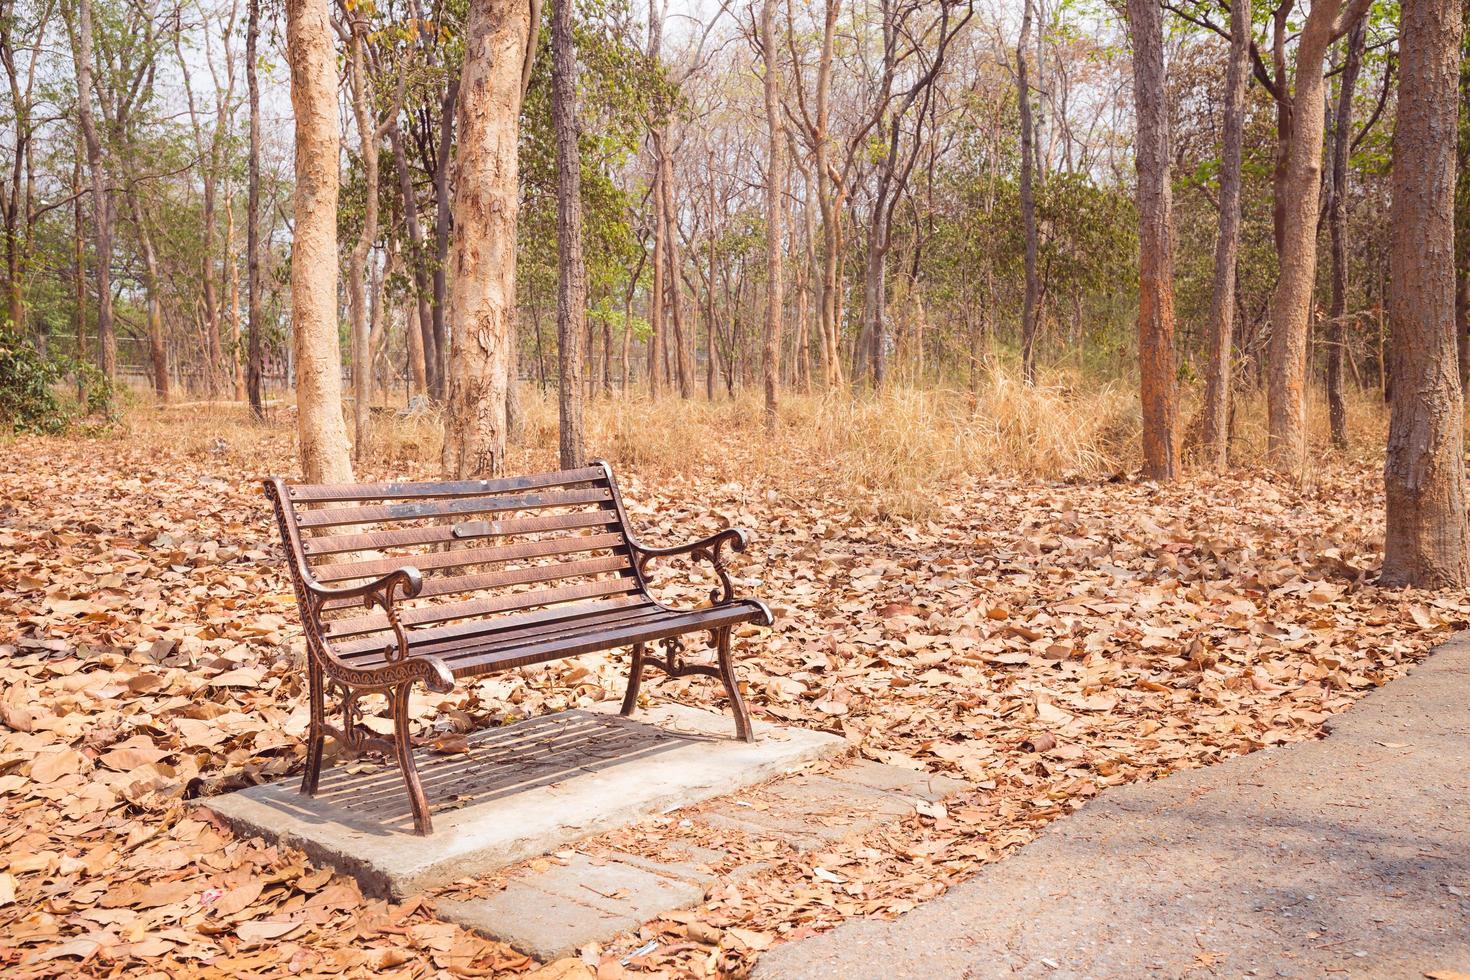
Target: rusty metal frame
(402,667)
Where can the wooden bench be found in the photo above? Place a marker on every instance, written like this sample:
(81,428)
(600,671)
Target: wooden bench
(460,579)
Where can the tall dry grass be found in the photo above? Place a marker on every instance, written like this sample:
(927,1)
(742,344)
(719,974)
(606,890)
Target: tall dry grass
(885,448)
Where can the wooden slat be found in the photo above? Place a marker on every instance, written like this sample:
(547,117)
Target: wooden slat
(440,639)
(343,492)
(528,575)
(490,657)
(467,530)
(481,607)
(540,548)
(433,636)
(337,516)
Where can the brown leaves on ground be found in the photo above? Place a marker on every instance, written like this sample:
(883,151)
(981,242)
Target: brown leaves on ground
(1043,642)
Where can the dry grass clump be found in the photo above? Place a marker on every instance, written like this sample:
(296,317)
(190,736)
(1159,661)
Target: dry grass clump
(889,448)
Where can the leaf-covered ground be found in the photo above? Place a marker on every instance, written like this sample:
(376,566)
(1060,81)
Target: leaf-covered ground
(1042,641)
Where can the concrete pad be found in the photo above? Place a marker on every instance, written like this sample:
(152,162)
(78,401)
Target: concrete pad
(522,790)
(813,811)
(556,912)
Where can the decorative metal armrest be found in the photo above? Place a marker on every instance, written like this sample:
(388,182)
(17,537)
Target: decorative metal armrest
(709,549)
(384,593)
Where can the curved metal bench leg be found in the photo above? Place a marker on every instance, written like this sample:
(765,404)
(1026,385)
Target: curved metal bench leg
(403,748)
(316,735)
(732,687)
(635,680)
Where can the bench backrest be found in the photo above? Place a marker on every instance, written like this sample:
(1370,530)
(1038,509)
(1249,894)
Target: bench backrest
(495,554)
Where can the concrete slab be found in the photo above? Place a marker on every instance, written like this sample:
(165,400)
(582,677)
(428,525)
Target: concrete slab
(556,912)
(522,790)
(812,811)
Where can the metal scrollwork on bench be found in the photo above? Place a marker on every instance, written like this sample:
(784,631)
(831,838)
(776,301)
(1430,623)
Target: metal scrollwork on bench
(587,591)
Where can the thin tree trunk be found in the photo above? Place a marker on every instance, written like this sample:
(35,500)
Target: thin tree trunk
(1216,421)
(1028,203)
(1342,126)
(102,203)
(775,213)
(157,355)
(357,286)
(481,300)
(571,293)
(325,453)
(682,344)
(423,285)
(255,358)
(1424,475)
(1155,246)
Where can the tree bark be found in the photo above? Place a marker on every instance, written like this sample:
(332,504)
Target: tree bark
(571,292)
(481,298)
(1156,246)
(1342,126)
(325,453)
(1028,202)
(682,343)
(357,285)
(255,358)
(102,203)
(1299,203)
(775,213)
(1424,475)
(1216,420)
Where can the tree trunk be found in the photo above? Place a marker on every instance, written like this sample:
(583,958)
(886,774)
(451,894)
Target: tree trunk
(157,354)
(255,358)
(1155,246)
(442,223)
(1028,203)
(1216,420)
(571,292)
(481,299)
(357,286)
(683,366)
(325,453)
(1300,192)
(418,265)
(102,203)
(1342,127)
(775,213)
(1424,476)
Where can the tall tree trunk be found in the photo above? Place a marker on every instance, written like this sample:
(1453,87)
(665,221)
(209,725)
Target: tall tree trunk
(102,203)
(682,344)
(357,285)
(255,358)
(571,292)
(481,300)
(1216,421)
(1342,127)
(1028,203)
(656,285)
(775,213)
(418,264)
(1155,246)
(157,354)
(442,221)
(1424,475)
(325,453)
(1299,202)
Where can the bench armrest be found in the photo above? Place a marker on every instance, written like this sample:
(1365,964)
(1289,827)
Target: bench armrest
(709,549)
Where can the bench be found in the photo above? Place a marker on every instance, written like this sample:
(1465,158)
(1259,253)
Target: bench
(404,583)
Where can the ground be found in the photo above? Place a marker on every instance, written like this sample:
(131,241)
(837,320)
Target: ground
(1043,639)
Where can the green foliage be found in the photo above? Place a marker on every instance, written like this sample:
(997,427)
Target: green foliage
(28,400)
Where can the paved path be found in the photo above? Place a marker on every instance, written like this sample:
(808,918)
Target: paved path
(1346,856)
